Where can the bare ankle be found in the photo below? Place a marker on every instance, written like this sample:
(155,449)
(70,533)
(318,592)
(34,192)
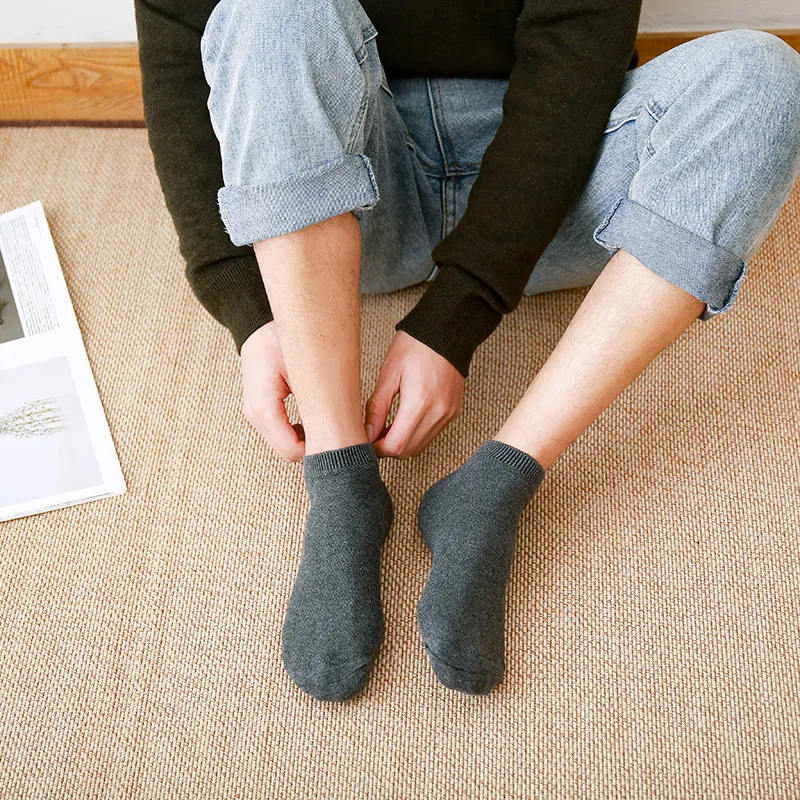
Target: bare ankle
(333,437)
(545,455)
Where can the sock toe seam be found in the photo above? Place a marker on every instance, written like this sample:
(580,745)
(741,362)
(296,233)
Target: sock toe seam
(304,682)
(359,661)
(431,652)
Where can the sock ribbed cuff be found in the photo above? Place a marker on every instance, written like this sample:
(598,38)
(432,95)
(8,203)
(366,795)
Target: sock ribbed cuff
(515,458)
(354,454)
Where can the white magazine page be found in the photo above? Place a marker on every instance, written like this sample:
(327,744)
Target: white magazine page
(56,449)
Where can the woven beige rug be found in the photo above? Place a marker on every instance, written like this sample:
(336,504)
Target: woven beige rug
(653,645)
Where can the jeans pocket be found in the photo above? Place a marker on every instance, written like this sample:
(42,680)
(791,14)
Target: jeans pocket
(367,35)
(616,122)
(645,116)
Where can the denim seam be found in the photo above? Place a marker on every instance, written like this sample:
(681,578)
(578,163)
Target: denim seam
(656,112)
(367,35)
(461,171)
(451,167)
(602,226)
(371,174)
(443,200)
(711,311)
(447,170)
(358,123)
(442,178)
(449,156)
(435,121)
(654,109)
(453,185)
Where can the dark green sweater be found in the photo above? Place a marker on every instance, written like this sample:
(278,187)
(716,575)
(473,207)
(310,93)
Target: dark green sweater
(565,61)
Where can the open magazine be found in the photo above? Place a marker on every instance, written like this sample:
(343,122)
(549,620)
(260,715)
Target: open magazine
(55,446)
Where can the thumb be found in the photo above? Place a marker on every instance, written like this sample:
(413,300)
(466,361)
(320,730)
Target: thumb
(378,405)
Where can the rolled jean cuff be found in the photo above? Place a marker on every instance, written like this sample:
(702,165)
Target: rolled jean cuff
(706,270)
(253,213)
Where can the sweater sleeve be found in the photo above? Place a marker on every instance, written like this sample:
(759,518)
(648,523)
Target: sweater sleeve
(225,278)
(570,60)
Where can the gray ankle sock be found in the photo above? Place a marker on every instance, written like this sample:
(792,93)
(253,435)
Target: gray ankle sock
(334,623)
(469,520)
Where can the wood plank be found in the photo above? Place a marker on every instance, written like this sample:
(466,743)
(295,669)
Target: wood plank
(101,84)
(72,82)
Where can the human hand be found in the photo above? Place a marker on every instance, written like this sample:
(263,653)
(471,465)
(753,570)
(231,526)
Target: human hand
(265,385)
(431,395)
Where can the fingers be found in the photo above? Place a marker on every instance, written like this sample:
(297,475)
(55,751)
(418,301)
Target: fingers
(395,443)
(426,432)
(416,425)
(267,414)
(378,405)
(300,431)
(265,387)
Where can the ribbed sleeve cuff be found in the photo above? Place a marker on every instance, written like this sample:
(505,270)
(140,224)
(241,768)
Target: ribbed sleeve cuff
(233,292)
(451,318)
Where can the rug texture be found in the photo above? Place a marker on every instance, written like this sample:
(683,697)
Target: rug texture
(654,606)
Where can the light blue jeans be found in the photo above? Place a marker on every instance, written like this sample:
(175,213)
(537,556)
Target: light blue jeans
(699,154)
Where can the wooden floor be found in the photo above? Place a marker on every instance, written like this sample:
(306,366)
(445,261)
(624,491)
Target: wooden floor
(101,85)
